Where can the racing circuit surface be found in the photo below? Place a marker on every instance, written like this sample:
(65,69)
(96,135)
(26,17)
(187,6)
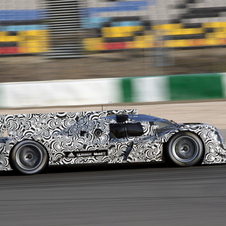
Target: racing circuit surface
(124,194)
(138,195)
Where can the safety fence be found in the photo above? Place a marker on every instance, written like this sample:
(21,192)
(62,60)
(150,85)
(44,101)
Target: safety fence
(113,90)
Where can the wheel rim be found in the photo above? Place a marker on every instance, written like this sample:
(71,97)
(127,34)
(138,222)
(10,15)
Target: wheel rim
(29,157)
(185,149)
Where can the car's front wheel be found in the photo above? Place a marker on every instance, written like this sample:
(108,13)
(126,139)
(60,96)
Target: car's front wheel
(28,157)
(185,149)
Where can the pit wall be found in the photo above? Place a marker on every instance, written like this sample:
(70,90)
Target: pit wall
(113,90)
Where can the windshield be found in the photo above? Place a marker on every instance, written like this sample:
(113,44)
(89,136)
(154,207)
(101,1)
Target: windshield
(146,118)
(164,124)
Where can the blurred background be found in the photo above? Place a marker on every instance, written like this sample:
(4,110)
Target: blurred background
(44,40)
(55,39)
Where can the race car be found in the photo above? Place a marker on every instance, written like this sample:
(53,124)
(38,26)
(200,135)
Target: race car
(31,142)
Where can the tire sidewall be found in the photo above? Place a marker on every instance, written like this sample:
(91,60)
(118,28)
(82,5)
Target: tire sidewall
(174,160)
(17,167)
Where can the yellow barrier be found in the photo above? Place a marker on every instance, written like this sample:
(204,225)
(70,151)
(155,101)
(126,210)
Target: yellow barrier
(32,41)
(116,32)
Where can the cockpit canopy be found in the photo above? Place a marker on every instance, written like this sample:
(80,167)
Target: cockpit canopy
(131,125)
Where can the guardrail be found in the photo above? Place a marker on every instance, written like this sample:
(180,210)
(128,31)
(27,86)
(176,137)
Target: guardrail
(113,90)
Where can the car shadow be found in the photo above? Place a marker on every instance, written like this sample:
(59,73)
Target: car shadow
(99,167)
(90,167)
(102,167)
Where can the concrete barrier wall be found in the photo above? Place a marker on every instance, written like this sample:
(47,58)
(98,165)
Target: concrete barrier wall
(174,88)
(113,90)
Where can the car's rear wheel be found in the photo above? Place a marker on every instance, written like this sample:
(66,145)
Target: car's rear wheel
(29,157)
(185,149)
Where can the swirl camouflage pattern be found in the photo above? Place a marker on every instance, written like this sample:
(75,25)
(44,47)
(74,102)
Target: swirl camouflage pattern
(31,142)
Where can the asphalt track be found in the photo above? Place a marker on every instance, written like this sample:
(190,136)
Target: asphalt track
(117,195)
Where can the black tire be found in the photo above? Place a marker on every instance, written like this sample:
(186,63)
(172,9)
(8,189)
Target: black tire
(29,157)
(185,149)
